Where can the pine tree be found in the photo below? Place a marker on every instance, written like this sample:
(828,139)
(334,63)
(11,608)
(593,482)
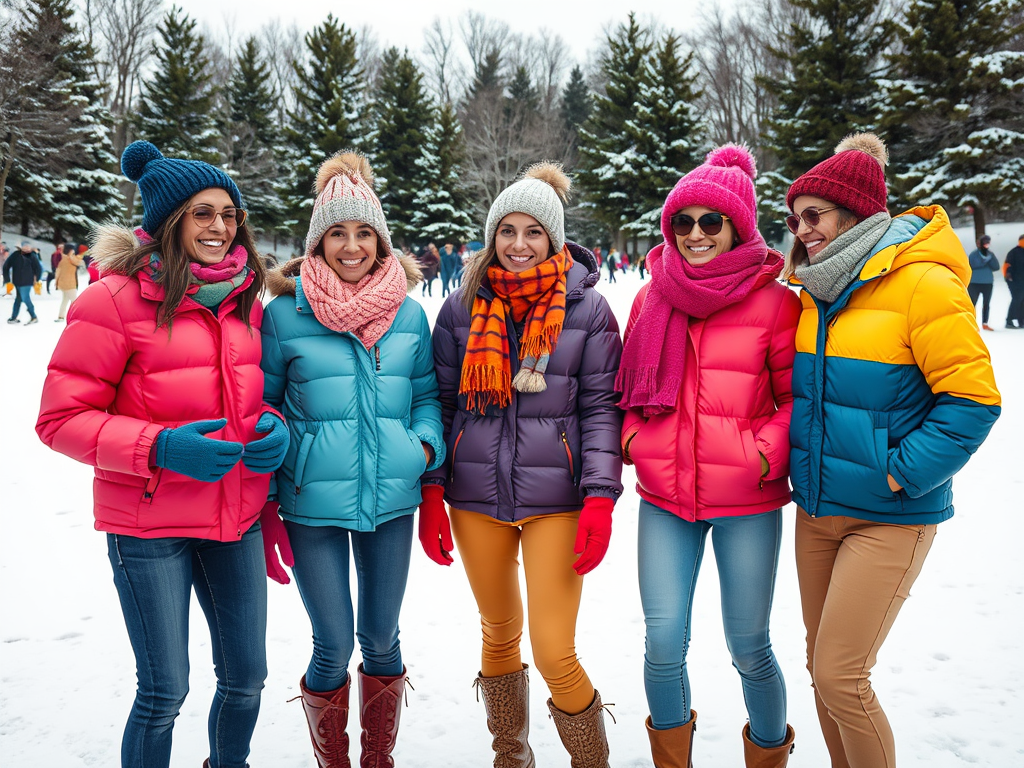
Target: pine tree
(72,196)
(665,132)
(954,111)
(401,111)
(834,61)
(176,112)
(577,104)
(329,115)
(441,211)
(607,162)
(255,160)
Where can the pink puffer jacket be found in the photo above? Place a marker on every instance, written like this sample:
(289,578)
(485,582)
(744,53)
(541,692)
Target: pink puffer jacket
(116,380)
(701,460)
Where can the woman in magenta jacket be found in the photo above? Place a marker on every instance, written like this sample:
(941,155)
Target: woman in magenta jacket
(156,382)
(705,378)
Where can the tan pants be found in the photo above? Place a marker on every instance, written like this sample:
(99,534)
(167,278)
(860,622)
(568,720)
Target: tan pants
(854,577)
(67,296)
(489,550)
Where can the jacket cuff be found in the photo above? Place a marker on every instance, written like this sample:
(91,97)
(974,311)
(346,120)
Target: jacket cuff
(776,464)
(601,490)
(437,446)
(145,450)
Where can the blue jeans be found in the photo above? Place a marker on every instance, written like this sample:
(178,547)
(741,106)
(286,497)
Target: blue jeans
(23,294)
(322,576)
(747,553)
(154,579)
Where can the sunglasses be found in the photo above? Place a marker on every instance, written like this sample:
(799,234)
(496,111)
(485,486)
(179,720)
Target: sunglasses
(203,215)
(811,215)
(710,223)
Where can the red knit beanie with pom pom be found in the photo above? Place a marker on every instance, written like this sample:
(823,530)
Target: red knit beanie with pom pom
(725,183)
(854,177)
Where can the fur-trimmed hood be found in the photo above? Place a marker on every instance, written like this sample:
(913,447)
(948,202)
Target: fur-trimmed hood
(281,281)
(112,248)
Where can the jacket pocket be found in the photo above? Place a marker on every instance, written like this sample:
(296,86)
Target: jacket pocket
(417,445)
(882,454)
(300,460)
(563,436)
(751,454)
(455,451)
(151,486)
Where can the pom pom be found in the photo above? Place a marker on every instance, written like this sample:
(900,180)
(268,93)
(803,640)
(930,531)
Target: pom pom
(733,156)
(344,164)
(867,143)
(552,174)
(135,158)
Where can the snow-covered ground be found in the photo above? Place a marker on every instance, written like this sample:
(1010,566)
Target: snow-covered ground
(951,676)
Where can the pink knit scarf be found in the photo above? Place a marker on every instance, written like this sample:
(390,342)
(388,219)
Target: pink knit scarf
(366,309)
(653,359)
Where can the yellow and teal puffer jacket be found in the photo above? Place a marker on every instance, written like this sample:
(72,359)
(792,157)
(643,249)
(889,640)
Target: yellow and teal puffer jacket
(891,379)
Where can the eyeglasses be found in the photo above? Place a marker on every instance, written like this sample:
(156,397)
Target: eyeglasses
(203,215)
(811,215)
(710,223)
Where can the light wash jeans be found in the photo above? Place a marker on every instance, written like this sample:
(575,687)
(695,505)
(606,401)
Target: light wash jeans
(322,576)
(154,579)
(747,553)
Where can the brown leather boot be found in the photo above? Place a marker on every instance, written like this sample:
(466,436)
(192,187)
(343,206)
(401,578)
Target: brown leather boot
(507,703)
(673,748)
(767,757)
(583,735)
(327,716)
(379,712)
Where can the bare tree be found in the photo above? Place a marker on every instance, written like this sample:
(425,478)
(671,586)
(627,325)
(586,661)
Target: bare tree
(481,35)
(441,62)
(283,47)
(368,54)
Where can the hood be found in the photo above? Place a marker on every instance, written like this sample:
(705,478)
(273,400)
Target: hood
(281,281)
(112,248)
(920,235)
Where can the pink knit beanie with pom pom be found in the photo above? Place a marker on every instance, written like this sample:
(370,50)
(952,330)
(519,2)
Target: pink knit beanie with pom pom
(725,183)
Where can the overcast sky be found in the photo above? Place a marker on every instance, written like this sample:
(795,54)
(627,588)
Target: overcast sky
(402,22)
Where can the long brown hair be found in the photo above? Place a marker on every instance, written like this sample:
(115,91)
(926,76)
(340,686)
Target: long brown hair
(175,276)
(475,272)
(798,253)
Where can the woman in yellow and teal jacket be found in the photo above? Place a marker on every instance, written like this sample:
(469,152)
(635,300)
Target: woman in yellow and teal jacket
(893,390)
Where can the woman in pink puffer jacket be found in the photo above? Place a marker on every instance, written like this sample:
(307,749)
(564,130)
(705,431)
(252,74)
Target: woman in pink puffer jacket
(156,382)
(705,378)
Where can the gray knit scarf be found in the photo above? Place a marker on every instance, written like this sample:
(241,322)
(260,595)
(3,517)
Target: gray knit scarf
(836,266)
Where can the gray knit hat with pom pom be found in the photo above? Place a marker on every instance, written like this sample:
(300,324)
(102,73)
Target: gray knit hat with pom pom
(539,193)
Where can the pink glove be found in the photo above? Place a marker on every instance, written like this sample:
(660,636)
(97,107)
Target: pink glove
(275,537)
(594,533)
(435,530)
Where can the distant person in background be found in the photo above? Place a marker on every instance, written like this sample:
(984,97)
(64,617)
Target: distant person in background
(4,253)
(983,264)
(450,264)
(22,269)
(90,264)
(1013,271)
(612,262)
(66,273)
(54,261)
(641,265)
(430,264)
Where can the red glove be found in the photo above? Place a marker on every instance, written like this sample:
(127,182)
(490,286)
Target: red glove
(275,535)
(594,533)
(435,530)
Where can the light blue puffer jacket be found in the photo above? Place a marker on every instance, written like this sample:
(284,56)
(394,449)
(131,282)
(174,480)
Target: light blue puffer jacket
(357,416)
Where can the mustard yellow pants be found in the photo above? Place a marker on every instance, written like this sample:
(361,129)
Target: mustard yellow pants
(854,577)
(489,550)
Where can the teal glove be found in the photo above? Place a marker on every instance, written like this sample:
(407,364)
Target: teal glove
(267,453)
(187,451)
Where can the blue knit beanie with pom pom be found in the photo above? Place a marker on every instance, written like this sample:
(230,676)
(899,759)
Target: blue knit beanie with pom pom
(166,183)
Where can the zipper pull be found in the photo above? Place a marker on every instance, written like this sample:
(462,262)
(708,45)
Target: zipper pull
(376,355)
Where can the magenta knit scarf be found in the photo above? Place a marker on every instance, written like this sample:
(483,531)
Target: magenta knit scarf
(654,356)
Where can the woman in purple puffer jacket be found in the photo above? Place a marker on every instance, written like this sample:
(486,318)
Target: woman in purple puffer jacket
(526,353)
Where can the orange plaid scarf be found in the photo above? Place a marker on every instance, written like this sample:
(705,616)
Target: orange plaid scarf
(538,295)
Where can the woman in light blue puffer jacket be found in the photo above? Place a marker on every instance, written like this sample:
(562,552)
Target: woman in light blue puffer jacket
(347,359)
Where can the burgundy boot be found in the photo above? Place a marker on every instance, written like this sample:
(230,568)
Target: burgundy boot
(379,712)
(327,716)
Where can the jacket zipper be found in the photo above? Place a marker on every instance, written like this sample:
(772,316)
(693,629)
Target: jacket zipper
(151,486)
(568,454)
(376,355)
(455,447)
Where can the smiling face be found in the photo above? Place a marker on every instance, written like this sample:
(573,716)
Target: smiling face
(698,247)
(521,243)
(824,232)
(350,249)
(208,244)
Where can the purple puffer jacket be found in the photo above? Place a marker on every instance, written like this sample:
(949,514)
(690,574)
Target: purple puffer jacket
(546,451)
